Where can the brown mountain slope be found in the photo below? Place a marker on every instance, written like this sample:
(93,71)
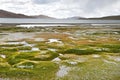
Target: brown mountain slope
(7,14)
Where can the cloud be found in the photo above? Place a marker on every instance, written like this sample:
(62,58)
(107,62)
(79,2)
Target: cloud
(63,8)
(44,1)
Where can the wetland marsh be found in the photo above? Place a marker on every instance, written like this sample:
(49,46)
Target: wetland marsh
(60,53)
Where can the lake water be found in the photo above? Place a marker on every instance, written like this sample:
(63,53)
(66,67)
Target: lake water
(54,21)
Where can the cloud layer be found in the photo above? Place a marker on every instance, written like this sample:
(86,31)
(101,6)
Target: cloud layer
(63,8)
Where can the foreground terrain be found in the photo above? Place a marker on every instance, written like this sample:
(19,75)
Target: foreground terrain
(60,53)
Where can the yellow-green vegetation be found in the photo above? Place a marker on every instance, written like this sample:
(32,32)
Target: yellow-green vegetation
(60,53)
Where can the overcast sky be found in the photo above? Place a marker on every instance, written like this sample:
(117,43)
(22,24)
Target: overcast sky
(63,8)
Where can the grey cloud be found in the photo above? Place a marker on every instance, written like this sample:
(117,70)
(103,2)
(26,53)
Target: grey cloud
(97,5)
(63,8)
(15,2)
(44,1)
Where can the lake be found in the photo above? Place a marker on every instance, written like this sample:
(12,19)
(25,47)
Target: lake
(54,21)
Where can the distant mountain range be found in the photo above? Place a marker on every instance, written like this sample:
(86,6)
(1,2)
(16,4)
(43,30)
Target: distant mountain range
(7,14)
(99,18)
(117,17)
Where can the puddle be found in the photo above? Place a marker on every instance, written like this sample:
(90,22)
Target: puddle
(52,49)
(16,43)
(56,59)
(25,66)
(73,62)
(102,49)
(3,56)
(72,38)
(60,54)
(115,58)
(96,56)
(4,78)
(39,39)
(35,49)
(63,71)
(54,40)
(16,36)
(25,51)
(67,33)
(27,44)
(115,33)
(110,62)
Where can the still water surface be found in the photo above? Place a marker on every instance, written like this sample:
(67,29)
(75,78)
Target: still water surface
(54,21)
